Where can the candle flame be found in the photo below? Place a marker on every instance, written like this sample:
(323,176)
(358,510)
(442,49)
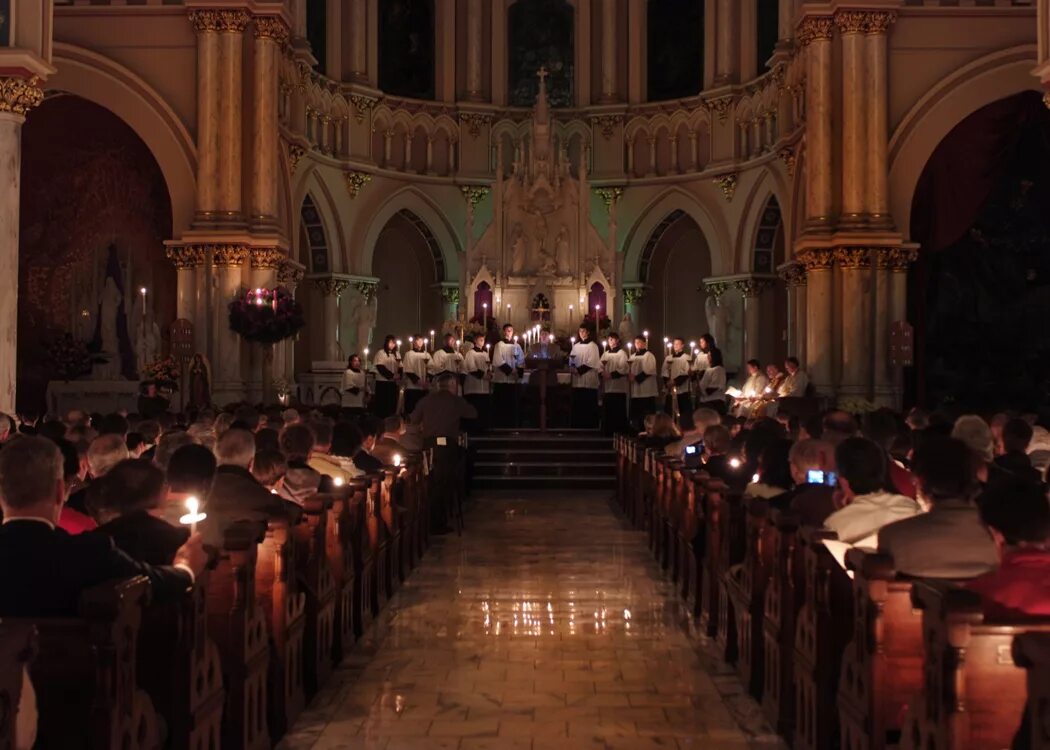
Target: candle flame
(338,481)
(397,459)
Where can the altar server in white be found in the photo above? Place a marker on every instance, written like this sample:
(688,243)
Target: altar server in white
(355,385)
(477,372)
(417,364)
(616,368)
(508,366)
(585,362)
(676,369)
(644,385)
(447,359)
(387,364)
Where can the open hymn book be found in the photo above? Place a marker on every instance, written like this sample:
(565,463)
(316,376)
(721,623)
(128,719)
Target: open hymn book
(734,392)
(838,551)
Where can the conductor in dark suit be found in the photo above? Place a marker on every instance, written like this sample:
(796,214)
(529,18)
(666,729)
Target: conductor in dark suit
(46,569)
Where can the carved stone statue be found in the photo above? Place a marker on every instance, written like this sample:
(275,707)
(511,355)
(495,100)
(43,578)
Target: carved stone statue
(563,251)
(626,329)
(364,323)
(110,344)
(519,251)
(718,319)
(199,387)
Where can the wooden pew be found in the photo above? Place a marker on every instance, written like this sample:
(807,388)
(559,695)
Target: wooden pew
(386,541)
(284,606)
(728,525)
(745,586)
(237,625)
(783,600)
(973,695)
(710,571)
(688,527)
(18,643)
(85,673)
(1031,652)
(181,669)
(367,549)
(340,540)
(823,628)
(882,664)
(637,498)
(317,583)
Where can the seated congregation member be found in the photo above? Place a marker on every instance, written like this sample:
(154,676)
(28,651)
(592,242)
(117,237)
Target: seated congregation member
(236,494)
(508,363)
(45,569)
(773,477)
(661,432)
(948,541)
(371,428)
(191,474)
(322,458)
(644,387)
(150,431)
(838,425)
(752,390)
(585,362)
(977,434)
(811,500)
(717,442)
(387,364)
(105,452)
(702,419)
(167,445)
(615,371)
(861,468)
(477,372)
(300,480)
(128,503)
(347,444)
(796,381)
(447,359)
(74,471)
(268,469)
(1019,516)
(355,385)
(882,427)
(268,439)
(389,443)
(1015,436)
(675,373)
(416,373)
(440,413)
(711,389)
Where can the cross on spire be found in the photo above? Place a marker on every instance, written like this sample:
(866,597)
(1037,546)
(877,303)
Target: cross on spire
(542,74)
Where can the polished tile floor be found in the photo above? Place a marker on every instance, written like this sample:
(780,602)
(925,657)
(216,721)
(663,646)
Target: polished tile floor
(545,626)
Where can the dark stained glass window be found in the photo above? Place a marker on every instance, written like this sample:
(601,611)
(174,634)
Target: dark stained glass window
(541,35)
(675,48)
(768,23)
(406,48)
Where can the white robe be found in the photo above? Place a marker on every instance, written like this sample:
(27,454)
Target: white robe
(616,362)
(353,379)
(713,377)
(585,354)
(644,364)
(476,359)
(675,367)
(755,385)
(504,353)
(416,363)
(390,361)
(443,361)
(794,386)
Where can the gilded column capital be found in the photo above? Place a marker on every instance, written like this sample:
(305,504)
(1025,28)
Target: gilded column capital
(632,295)
(896,259)
(753,287)
(186,257)
(229,256)
(267,258)
(853,258)
(330,287)
(609,195)
(367,289)
(450,294)
(212,19)
(19,95)
(720,106)
(356,180)
(289,273)
(295,155)
(362,106)
(816,259)
(879,21)
(793,274)
(815,28)
(787,155)
(606,124)
(727,182)
(474,194)
(716,288)
(851,21)
(475,121)
(272,27)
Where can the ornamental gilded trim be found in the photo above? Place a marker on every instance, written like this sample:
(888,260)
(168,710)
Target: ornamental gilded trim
(720,106)
(450,294)
(896,259)
(228,256)
(355,181)
(815,28)
(267,258)
(787,155)
(816,259)
(475,121)
(633,295)
(367,290)
(727,183)
(853,258)
(185,257)
(879,21)
(609,195)
(19,95)
(230,21)
(295,155)
(272,27)
(362,106)
(851,21)
(474,194)
(289,273)
(793,274)
(606,124)
(330,287)
(751,288)
(717,288)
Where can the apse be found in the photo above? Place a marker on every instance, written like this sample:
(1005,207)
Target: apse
(409,264)
(675,260)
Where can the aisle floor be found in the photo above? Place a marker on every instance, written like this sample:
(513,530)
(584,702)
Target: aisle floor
(546,626)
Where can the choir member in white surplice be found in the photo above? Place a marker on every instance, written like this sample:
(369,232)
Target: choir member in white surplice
(508,366)
(616,368)
(676,371)
(417,365)
(387,364)
(644,385)
(447,359)
(702,357)
(355,385)
(477,370)
(711,390)
(585,361)
(752,391)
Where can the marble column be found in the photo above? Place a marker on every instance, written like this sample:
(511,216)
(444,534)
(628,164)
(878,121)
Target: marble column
(475,50)
(270,36)
(878,22)
(205,282)
(359,40)
(794,277)
(17,96)
(186,259)
(815,34)
(209,97)
(330,289)
(854,118)
(231,63)
(785,18)
(854,264)
(727,42)
(289,275)
(609,73)
(228,266)
(751,290)
(883,299)
(820,295)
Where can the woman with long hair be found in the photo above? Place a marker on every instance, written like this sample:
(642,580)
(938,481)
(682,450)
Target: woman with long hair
(387,364)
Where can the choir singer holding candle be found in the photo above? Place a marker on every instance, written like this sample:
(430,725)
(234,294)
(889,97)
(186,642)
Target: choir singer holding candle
(616,369)
(585,362)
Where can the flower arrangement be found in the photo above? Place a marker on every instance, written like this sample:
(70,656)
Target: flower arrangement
(162,371)
(283,390)
(266,316)
(856,405)
(68,357)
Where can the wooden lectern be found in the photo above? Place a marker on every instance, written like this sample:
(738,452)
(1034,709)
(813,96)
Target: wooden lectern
(542,369)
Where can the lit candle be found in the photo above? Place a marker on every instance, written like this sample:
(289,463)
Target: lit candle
(193,516)
(433,341)
(338,481)
(397,460)
(366,352)
(142,291)
(399,346)
(487,347)
(734,462)
(572,340)
(646,334)
(629,347)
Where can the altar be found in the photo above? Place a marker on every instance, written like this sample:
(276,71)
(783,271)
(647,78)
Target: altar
(541,260)
(92,396)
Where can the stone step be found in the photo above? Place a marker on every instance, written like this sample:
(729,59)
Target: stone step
(545,469)
(545,455)
(545,483)
(511,440)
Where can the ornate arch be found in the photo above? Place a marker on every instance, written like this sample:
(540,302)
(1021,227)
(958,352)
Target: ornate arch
(311,185)
(423,209)
(767,188)
(103,81)
(983,81)
(711,223)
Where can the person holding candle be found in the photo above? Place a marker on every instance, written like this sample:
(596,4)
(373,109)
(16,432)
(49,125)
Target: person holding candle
(508,363)
(585,362)
(616,368)
(354,386)
(417,365)
(447,359)
(387,364)
(676,372)
(644,386)
(477,373)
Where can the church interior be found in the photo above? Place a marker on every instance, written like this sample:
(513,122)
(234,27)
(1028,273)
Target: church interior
(525,374)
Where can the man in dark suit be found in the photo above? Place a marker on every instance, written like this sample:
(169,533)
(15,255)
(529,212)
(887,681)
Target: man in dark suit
(236,495)
(46,569)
